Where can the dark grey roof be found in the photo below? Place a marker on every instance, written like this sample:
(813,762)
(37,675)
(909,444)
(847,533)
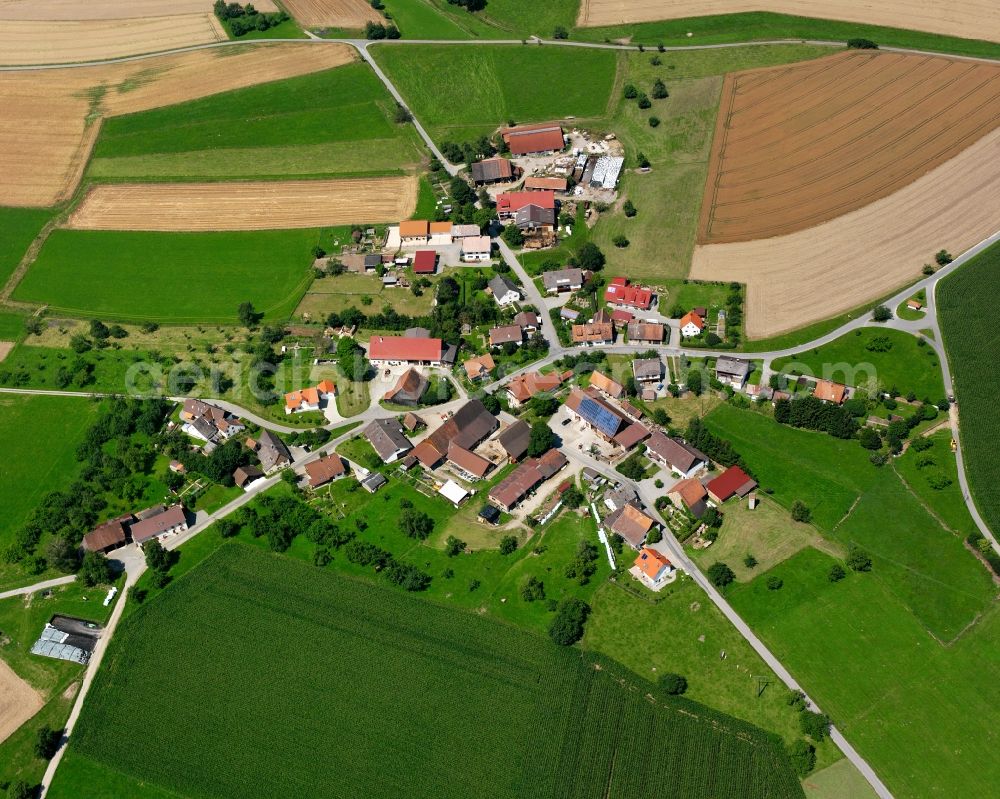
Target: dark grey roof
(733,366)
(676,453)
(272,450)
(416,332)
(500,285)
(534,216)
(561,278)
(515,439)
(449,353)
(387,438)
(491,169)
(647,368)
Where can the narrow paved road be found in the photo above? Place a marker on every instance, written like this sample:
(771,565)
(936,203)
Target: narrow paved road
(42,586)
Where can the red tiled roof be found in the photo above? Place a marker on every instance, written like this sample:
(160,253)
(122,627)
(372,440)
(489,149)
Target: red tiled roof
(424,261)
(621,293)
(829,391)
(534,138)
(427,454)
(400,348)
(324,470)
(694,319)
(510,201)
(552,184)
(732,481)
(597,331)
(611,387)
(413,227)
(468,461)
(524,387)
(651,562)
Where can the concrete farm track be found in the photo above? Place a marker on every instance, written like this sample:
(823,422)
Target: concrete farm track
(557,351)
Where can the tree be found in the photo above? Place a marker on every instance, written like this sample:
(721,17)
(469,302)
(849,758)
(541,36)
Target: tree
(693,381)
(803,757)
(720,574)
(629,209)
(158,558)
(836,573)
(750,561)
(590,257)
(801,512)
(454,546)
(508,544)
(416,524)
(712,339)
(881,314)
(491,403)
(862,44)
(620,241)
(19,789)
(642,161)
(248,315)
(654,122)
(797,700)
(659,90)
(673,684)
(80,344)
(61,554)
(98,330)
(513,236)
(95,569)
(532,588)
(869,438)
(815,725)
(227,527)
(567,626)
(47,742)
(774,582)
(943,257)
(643,101)
(572,497)
(858,560)
(654,536)
(402,115)
(560,33)
(460,191)
(630,91)
(541,439)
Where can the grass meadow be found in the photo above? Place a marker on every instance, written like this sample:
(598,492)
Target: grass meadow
(501,19)
(512,714)
(18,228)
(967,313)
(332,123)
(906,365)
(890,654)
(11,325)
(170,277)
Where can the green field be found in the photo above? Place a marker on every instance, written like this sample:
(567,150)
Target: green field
(967,310)
(360,673)
(501,19)
(18,228)
(11,325)
(170,277)
(336,122)
(889,654)
(905,366)
(486,84)
(728,28)
(40,436)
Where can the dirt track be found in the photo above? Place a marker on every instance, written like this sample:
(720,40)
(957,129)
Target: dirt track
(69,10)
(18,701)
(251,205)
(972,19)
(818,273)
(352,14)
(51,117)
(32,42)
(798,145)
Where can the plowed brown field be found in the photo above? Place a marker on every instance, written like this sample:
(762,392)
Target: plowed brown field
(972,19)
(50,118)
(70,10)
(335,13)
(818,273)
(18,701)
(798,145)
(249,205)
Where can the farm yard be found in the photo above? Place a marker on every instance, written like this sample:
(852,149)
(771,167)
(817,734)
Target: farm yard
(967,313)
(798,145)
(245,205)
(351,14)
(170,277)
(546,721)
(54,115)
(954,207)
(975,19)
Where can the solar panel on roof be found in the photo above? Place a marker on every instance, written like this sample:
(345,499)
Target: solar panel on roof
(600,417)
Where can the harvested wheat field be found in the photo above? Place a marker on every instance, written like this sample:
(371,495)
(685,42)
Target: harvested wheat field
(70,10)
(18,701)
(32,42)
(801,144)
(349,14)
(51,117)
(246,205)
(815,274)
(972,19)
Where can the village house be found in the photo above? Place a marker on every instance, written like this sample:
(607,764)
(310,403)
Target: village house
(621,292)
(510,202)
(208,422)
(504,291)
(424,262)
(479,368)
(414,231)
(157,522)
(523,481)
(828,391)
(645,333)
(409,389)
(647,370)
(530,139)
(271,451)
(732,371)
(560,280)
(545,184)
(439,232)
(108,536)
(325,470)
(621,319)
(690,495)
(607,386)
(245,475)
(733,482)
(594,334)
(492,170)
(515,439)
(653,567)
(309,399)
(523,387)
(532,218)
(508,334)
(396,350)
(387,439)
(527,320)
(620,496)
(674,454)
(609,422)
(691,325)
(477,249)
(631,523)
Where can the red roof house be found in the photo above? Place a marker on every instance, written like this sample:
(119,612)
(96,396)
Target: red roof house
(510,202)
(732,482)
(383,349)
(424,262)
(619,292)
